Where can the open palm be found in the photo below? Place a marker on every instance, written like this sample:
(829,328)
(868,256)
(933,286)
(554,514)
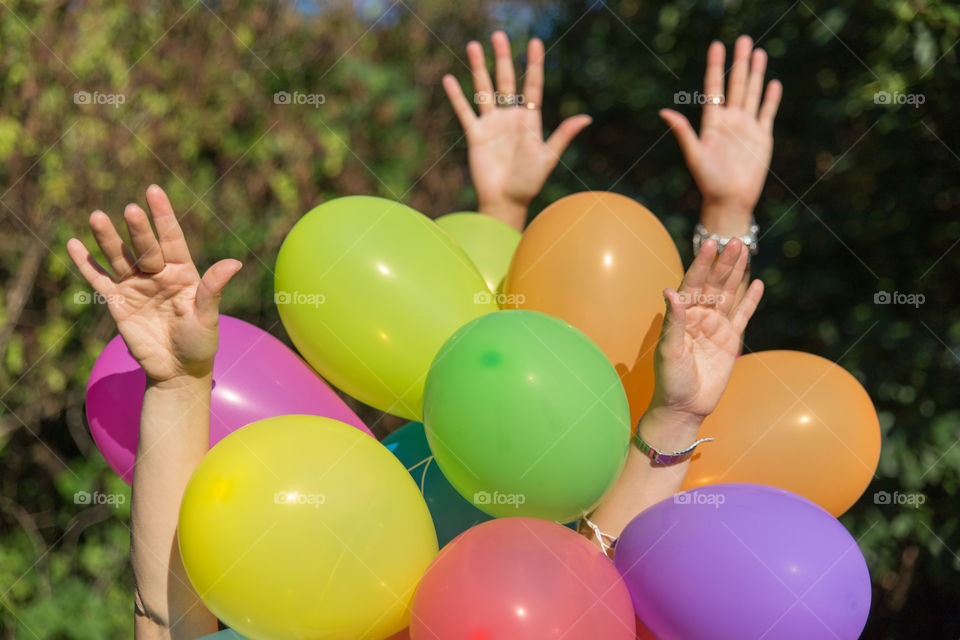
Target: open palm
(734,139)
(730,159)
(702,331)
(509,158)
(166,313)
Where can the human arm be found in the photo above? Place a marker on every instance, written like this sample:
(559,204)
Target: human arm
(694,359)
(167,315)
(730,158)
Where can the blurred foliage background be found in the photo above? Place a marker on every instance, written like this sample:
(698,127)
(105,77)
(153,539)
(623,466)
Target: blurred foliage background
(862,198)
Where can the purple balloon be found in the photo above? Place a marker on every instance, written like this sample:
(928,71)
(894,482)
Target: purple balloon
(737,561)
(255,376)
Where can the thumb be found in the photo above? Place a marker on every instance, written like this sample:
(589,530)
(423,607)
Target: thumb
(211,288)
(674,323)
(566,132)
(682,131)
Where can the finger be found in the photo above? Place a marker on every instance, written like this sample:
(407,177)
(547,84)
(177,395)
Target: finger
(722,268)
(771,102)
(506,81)
(737,87)
(149,258)
(461,106)
(713,81)
(696,275)
(674,322)
(533,77)
(683,132)
(482,85)
(111,244)
(211,288)
(172,243)
(728,297)
(758,66)
(92,272)
(748,304)
(566,132)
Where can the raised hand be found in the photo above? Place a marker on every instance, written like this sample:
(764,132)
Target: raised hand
(731,157)
(166,313)
(701,333)
(698,345)
(509,159)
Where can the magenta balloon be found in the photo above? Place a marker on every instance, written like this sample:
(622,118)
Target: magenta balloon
(735,561)
(255,376)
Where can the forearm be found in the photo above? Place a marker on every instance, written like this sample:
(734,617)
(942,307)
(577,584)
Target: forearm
(643,483)
(174,436)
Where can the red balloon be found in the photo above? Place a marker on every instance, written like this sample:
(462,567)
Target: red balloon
(519,578)
(643,633)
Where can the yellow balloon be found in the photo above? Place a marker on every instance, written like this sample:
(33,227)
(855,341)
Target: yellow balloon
(489,242)
(368,290)
(305,527)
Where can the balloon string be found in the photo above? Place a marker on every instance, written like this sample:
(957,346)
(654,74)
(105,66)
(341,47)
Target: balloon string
(606,548)
(423,478)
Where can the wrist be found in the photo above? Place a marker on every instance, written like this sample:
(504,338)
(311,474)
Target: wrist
(725,217)
(669,429)
(511,212)
(183,382)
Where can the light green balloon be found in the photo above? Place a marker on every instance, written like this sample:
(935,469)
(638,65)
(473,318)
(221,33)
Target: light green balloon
(368,290)
(489,242)
(526,416)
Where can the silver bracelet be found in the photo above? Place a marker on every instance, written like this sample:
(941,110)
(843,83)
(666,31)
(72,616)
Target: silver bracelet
(660,457)
(701,235)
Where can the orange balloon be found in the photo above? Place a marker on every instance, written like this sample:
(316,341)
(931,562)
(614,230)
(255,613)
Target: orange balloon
(600,261)
(795,421)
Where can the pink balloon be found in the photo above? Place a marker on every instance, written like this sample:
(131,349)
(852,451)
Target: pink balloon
(255,376)
(518,578)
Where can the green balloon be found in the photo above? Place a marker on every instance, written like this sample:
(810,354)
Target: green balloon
(526,416)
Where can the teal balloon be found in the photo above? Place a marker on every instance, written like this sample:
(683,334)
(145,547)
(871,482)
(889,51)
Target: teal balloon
(452,514)
(526,416)
(226,634)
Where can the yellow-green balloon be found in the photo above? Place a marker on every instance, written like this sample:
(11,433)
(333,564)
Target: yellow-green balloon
(368,290)
(489,242)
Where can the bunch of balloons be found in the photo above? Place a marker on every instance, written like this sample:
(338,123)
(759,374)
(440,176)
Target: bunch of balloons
(523,363)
